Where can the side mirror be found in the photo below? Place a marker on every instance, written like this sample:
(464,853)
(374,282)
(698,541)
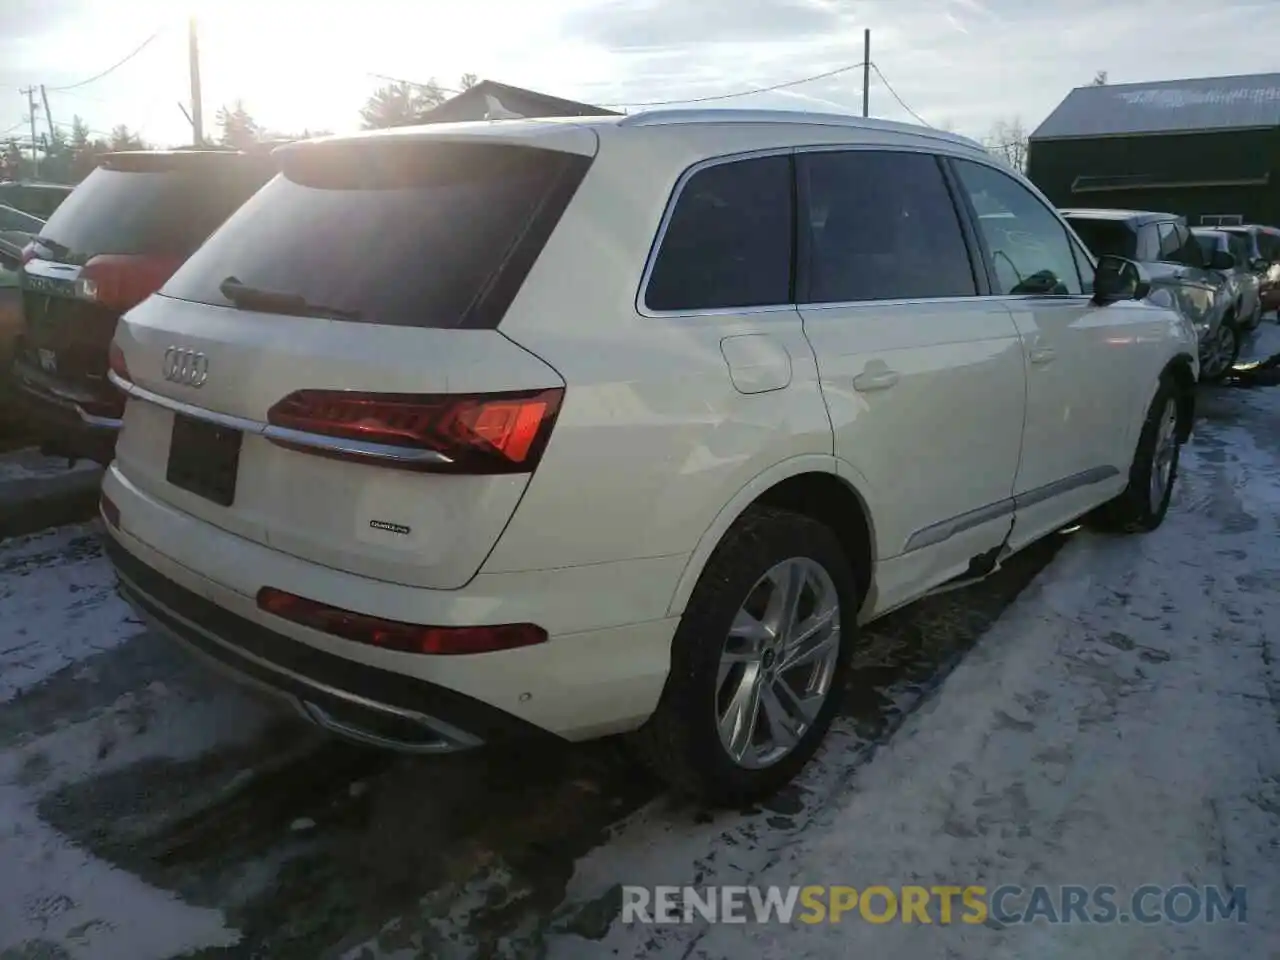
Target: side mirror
(1119,279)
(1222,260)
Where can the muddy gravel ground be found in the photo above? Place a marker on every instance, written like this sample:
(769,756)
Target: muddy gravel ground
(149,808)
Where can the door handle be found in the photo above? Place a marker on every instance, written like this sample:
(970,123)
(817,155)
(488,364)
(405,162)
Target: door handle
(881,378)
(1042,355)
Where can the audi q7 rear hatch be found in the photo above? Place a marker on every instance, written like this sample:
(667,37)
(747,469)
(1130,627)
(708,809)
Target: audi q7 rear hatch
(325,375)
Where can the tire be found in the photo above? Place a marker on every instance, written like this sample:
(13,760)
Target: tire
(1141,507)
(1228,351)
(682,741)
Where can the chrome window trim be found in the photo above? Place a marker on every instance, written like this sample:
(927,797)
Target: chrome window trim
(1009,299)
(297,438)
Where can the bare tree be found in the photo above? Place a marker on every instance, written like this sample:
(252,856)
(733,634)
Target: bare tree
(1008,141)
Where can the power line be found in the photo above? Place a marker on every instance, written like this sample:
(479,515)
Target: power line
(115,66)
(414,83)
(743,93)
(901,103)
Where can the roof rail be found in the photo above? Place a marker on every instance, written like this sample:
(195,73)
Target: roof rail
(687,115)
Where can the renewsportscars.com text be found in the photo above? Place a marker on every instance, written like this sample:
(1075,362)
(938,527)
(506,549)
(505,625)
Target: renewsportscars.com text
(943,904)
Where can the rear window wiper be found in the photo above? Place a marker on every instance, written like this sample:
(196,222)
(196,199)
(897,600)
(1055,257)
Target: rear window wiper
(245,297)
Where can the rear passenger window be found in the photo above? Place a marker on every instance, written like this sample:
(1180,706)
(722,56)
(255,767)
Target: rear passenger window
(880,226)
(1028,246)
(728,243)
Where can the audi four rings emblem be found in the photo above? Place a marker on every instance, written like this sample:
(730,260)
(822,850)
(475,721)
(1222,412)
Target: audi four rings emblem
(186,366)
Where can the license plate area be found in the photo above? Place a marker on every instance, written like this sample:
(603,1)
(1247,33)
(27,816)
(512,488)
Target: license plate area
(204,459)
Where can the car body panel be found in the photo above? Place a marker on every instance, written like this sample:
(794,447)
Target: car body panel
(673,423)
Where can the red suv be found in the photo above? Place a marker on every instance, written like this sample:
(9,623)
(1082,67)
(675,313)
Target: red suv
(108,247)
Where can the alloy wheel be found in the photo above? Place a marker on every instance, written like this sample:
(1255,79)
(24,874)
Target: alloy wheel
(778,662)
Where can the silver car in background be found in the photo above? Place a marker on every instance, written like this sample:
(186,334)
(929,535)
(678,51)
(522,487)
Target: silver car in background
(1245,283)
(1181,276)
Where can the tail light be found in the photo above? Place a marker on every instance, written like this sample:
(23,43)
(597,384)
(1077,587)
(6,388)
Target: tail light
(394,635)
(472,433)
(122,281)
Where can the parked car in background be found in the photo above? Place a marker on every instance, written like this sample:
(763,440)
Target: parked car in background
(1213,243)
(10,323)
(33,197)
(1180,275)
(1264,256)
(804,383)
(16,230)
(113,243)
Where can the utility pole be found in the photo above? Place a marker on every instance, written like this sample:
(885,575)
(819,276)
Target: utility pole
(197,106)
(866,72)
(48,114)
(31,115)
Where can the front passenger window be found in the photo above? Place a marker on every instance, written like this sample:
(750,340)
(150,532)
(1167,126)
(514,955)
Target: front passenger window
(1027,244)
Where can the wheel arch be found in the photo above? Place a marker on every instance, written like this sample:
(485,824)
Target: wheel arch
(815,485)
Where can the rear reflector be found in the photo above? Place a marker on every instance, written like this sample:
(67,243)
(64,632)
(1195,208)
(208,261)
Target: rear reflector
(394,635)
(468,433)
(110,512)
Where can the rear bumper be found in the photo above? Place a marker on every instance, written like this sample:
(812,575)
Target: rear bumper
(601,672)
(57,414)
(351,699)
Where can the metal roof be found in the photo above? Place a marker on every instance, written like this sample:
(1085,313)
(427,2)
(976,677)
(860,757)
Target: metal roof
(1168,106)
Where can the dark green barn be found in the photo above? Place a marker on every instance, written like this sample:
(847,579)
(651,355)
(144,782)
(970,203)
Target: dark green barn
(1208,149)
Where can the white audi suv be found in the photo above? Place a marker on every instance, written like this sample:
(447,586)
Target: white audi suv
(568,428)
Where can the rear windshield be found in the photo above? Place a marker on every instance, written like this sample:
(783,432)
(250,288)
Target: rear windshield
(407,233)
(166,211)
(1106,237)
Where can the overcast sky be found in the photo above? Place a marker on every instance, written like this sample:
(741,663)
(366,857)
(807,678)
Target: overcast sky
(960,63)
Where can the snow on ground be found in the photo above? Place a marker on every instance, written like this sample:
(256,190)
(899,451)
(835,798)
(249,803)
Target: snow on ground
(58,605)
(30,464)
(59,614)
(1118,726)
